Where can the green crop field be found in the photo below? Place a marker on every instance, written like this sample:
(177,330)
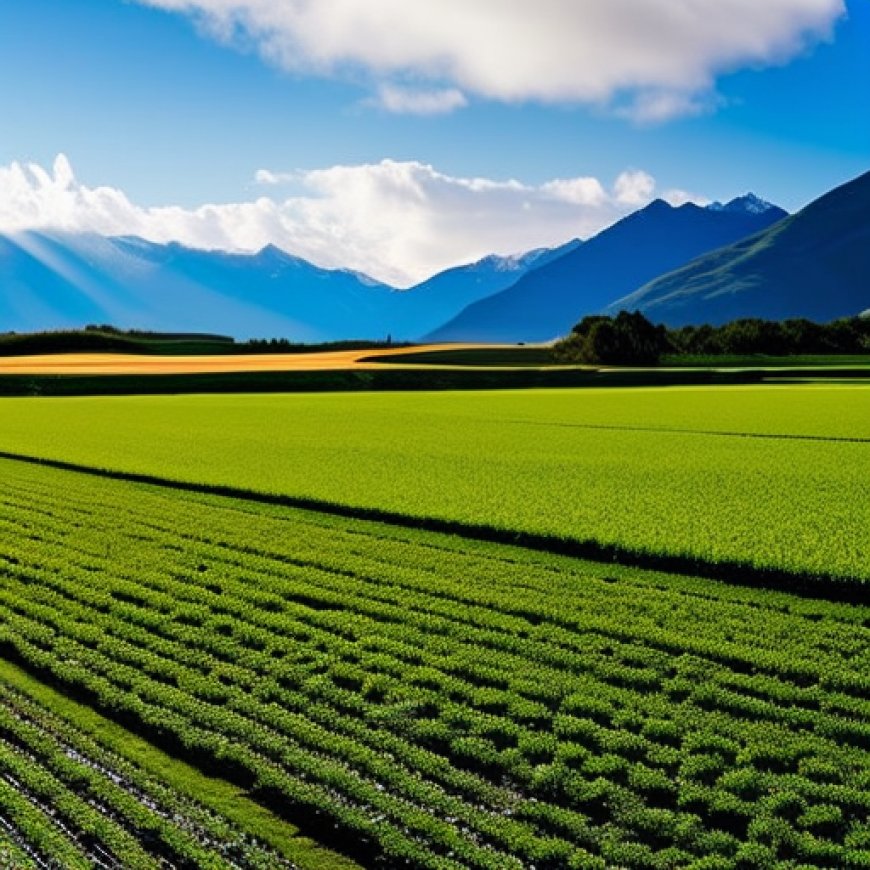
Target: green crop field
(772,477)
(67,798)
(431,700)
(417,691)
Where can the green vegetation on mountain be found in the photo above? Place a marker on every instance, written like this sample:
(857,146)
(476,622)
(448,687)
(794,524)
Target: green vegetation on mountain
(814,264)
(544,303)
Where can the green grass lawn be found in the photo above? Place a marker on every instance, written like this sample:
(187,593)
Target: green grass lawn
(774,477)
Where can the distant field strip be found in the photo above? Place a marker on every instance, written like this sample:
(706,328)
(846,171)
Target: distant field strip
(131,363)
(619,468)
(435,701)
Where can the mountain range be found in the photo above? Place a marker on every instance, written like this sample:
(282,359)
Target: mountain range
(685,264)
(62,280)
(546,302)
(814,264)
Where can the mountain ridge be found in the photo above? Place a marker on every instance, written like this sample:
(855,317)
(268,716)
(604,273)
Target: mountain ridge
(748,203)
(814,264)
(546,302)
(679,264)
(56,280)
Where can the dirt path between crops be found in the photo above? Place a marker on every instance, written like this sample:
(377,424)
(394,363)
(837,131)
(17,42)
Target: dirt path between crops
(135,364)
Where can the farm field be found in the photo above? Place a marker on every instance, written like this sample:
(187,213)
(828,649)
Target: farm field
(760,360)
(68,799)
(428,699)
(542,355)
(769,477)
(181,363)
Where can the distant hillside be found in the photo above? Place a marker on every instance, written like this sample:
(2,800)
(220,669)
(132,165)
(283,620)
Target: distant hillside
(815,264)
(108,339)
(61,280)
(430,303)
(549,300)
(51,281)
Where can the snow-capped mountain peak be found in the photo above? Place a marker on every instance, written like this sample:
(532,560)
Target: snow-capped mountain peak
(749,203)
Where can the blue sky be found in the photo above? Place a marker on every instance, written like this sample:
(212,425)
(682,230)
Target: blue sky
(156,105)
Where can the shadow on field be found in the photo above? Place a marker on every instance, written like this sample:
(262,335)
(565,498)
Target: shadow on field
(399,379)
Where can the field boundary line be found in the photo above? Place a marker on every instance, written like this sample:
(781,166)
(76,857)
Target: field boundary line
(398,378)
(830,587)
(672,430)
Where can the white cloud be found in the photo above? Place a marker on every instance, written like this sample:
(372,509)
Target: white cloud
(397,221)
(416,101)
(656,107)
(677,197)
(579,191)
(634,187)
(656,58)
(266,176)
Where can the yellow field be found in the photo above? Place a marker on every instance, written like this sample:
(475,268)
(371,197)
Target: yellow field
(133,364)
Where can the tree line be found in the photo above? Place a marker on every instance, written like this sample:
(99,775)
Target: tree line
(105,338)
(629,338)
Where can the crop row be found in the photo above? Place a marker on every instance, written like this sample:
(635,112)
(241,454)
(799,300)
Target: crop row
(13,853)
(451,704)
(69,802)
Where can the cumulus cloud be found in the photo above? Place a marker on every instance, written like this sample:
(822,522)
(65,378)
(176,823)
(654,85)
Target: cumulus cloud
(579,191)
(634,187)
(397,221)
(677,197)
(654,58)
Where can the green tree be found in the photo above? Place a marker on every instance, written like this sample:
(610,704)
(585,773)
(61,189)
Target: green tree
(627,339)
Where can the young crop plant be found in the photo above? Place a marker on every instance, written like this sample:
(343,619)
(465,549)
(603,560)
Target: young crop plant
(69,801)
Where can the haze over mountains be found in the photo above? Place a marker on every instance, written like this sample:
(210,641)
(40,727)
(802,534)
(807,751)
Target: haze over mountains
(53,280)
(58,280)
(686,264)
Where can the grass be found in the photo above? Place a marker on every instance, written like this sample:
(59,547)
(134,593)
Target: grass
(388,378)
(442,702)
(774,478)
(535,356)
(411,378)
